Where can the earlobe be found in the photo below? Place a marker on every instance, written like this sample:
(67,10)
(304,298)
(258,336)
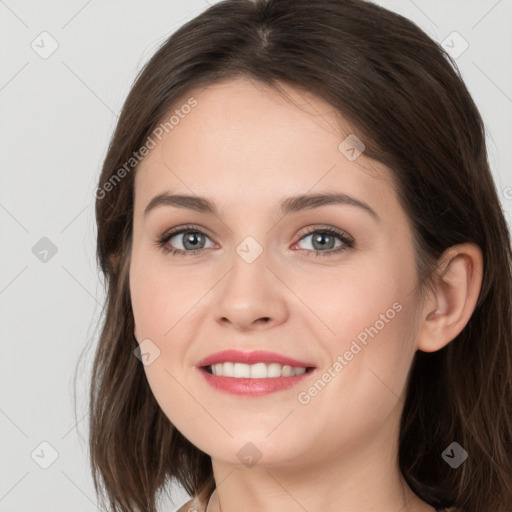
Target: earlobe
(456,288)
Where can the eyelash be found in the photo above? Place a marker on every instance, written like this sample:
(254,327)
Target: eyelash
(348,242)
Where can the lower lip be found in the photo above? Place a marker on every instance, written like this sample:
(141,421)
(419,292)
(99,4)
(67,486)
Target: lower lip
(253,387)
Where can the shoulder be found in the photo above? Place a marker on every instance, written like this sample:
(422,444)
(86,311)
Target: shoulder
(191,506)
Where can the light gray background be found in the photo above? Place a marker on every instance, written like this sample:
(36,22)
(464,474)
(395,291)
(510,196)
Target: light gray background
(56,117)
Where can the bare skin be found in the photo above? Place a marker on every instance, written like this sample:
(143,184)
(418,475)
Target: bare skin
(246,148)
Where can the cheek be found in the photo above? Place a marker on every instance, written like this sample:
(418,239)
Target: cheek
(371,311)
(347,300)
(162,297)
(366,308)
(160,303)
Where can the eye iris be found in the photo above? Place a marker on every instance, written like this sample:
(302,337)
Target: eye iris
(318,239)
(192,237)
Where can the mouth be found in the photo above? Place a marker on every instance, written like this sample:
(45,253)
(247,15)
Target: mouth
(253,373)
(256,380)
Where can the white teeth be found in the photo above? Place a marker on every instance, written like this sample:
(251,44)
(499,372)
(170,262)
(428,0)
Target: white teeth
(255,371)
(258,371)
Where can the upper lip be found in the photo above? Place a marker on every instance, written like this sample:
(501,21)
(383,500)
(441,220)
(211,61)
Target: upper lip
(255,356)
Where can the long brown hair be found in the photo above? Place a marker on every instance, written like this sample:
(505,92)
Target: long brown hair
(405,98)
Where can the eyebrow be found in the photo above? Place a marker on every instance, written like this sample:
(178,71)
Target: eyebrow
(287,206)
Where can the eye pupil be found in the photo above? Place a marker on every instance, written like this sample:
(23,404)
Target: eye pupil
(192,238)
(321,236)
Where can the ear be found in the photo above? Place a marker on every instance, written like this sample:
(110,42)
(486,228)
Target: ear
(456,289)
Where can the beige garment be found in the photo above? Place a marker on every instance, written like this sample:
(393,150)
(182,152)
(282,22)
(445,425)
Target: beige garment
(192,506)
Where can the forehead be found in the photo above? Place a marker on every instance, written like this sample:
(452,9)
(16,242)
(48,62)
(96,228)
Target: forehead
(246,141)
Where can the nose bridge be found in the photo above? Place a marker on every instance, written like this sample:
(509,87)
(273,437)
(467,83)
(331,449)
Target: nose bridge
(248,264)
(250,250)
(250,292)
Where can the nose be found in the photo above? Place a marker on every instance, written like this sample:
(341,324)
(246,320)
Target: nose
(251,297)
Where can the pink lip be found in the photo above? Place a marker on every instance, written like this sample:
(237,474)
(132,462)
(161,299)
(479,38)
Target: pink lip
(252,387)
(256,356)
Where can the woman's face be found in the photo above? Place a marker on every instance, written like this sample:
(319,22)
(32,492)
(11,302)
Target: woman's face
(263,278)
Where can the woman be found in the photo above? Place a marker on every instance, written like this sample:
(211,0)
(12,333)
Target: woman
(305,185)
